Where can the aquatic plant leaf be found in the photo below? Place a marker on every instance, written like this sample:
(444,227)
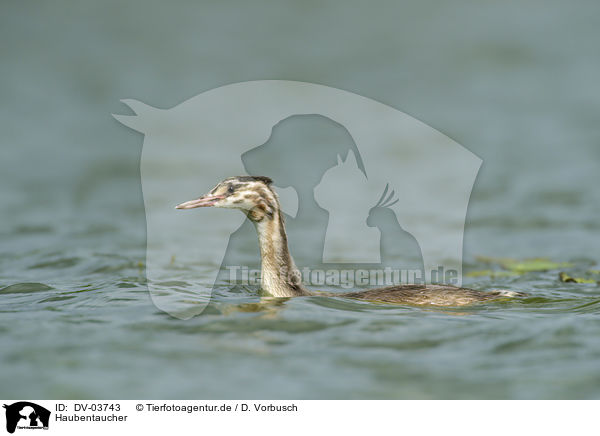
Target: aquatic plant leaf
(491,273)
(525,265)
(494,260)
(536,265)
(564,277)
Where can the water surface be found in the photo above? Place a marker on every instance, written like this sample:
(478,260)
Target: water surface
(514,82)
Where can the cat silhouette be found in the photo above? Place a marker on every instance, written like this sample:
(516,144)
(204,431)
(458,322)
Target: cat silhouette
(344,192)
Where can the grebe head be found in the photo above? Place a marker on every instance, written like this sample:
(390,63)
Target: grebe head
(251,194)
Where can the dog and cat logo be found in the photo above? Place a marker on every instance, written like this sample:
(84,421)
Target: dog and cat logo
(26,415)
(350,171)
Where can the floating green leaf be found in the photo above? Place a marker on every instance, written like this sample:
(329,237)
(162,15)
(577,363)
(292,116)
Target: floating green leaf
(494,260)
(564,277)
(535,265)
(525,265)
(491,273)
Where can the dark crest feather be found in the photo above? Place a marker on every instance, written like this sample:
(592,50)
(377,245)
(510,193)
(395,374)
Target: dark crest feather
(266,180)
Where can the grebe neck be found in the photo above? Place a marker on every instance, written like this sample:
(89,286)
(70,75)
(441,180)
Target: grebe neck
(279,275)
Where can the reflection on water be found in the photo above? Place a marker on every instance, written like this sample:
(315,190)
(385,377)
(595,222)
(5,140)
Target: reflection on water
(77,319)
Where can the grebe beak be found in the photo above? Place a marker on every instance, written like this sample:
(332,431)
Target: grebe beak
(204,201)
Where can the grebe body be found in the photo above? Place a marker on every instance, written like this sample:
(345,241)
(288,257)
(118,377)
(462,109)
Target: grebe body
(254,196)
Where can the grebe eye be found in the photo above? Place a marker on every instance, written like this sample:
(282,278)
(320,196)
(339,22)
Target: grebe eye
(230,189)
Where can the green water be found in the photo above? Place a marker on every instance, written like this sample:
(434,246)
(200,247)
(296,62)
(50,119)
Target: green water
(514,82)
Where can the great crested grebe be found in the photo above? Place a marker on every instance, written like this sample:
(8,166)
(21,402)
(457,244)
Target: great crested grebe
(254,196)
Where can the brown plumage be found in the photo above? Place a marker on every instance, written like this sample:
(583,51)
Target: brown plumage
(434,295)
(279,275)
